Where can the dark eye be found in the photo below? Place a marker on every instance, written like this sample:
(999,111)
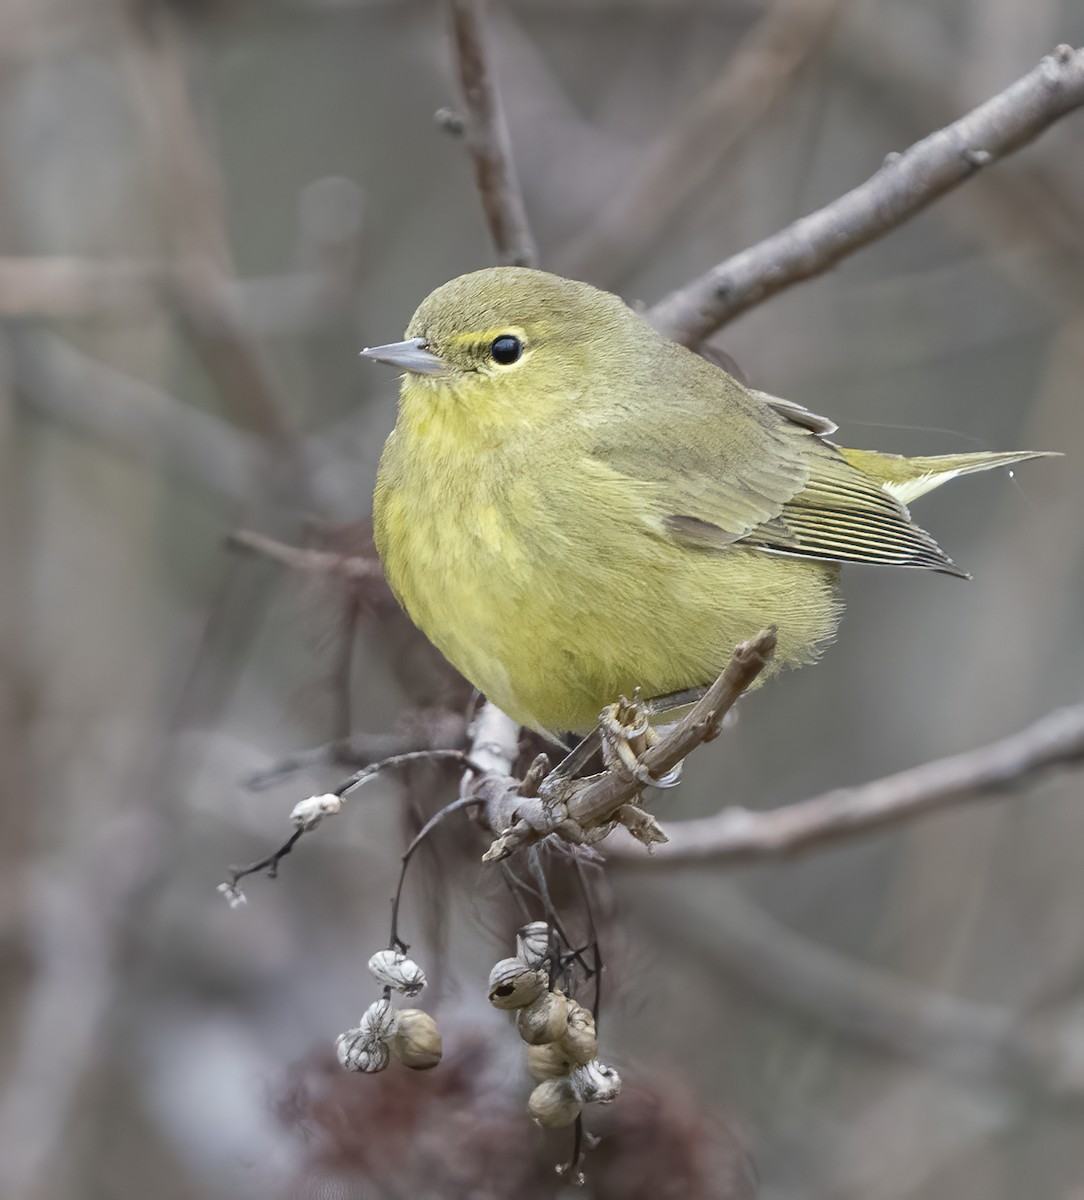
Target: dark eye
(506,349)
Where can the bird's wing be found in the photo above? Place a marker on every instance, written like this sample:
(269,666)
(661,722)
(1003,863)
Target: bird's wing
(845,515)
(713,476)
(757,473)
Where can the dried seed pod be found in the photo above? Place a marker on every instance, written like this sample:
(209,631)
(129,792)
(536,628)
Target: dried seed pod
(578,1041)
(357,1051)
(416,1041)
(549,1062)
(378,1021)
(512,984)
(554,1104)
(396,970)
(365,1048)
(595,1083)
(544,1020)
(533,943)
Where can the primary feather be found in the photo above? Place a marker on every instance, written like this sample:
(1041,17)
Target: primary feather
(611,511)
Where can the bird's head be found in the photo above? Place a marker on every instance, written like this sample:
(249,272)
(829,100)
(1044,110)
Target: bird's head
(511,344)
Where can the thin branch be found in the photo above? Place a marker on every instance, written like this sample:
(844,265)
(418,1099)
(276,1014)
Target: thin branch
(905,184)
(741,835)
(488,140)
(306,822)
(686,156)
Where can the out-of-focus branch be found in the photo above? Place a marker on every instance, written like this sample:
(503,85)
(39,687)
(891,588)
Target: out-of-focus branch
(488,140)
(298,558)
(132,416)
(70,288)
(984,1043)
(905,184)
(740,835)
(685,157)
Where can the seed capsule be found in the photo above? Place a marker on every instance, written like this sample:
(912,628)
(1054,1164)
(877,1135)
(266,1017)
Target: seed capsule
(553,1104)
(396,970)
(578,1040)
(416,1041)
(595,1083)
(549,1062)
(358,1052)
(544,1020)
(533,943)
(512,984)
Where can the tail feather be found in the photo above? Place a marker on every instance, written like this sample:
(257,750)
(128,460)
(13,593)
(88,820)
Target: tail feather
(908,478)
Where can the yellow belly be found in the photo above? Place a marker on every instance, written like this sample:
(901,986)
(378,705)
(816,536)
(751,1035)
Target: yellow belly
(554,609)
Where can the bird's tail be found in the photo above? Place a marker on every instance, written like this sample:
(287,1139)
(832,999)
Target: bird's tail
(909,478)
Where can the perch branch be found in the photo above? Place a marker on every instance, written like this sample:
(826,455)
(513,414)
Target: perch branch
(585,805)
(905,184)
(740,835)
(488,140)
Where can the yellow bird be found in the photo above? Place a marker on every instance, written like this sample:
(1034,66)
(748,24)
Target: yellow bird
(572,506)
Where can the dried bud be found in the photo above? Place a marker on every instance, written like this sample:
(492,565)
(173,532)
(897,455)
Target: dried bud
(358,1052)
(514,985)
(595,1083)
(307,814)
(578,1041)
(533,943)
(544,1020)
(396,970)
(549,1062)
(554,1104)
(416,1041)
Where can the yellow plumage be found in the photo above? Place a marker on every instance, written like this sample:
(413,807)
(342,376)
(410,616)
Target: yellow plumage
(606,510)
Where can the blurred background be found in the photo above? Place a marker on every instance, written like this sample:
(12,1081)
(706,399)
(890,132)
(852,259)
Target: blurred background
(206,208)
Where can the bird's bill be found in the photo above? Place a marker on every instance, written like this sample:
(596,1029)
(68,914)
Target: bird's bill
(410,356)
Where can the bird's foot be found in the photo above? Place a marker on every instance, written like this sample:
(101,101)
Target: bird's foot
(627,734)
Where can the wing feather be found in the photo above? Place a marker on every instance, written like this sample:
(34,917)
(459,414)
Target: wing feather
(757,470)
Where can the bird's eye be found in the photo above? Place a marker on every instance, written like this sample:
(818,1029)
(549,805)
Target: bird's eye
(506,349)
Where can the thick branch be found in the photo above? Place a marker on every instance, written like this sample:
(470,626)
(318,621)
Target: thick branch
(487,137)
(905,184)
(739,835)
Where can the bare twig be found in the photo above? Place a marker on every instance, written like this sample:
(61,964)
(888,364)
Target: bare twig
(686,156)
(585,805)
(740,835)
(488,140)
(905,184)
(307,822)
